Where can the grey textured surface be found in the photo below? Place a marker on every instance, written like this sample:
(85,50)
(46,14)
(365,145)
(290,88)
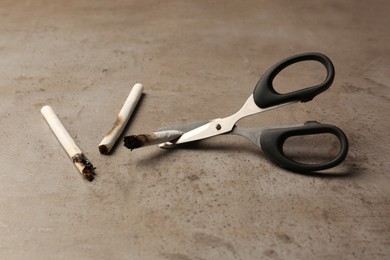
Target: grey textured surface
(197,60)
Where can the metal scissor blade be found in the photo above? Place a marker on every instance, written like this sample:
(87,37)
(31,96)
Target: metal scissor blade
(213,128)
(184,128)
(221,126)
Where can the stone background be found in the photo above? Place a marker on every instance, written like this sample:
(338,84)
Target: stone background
(197,60)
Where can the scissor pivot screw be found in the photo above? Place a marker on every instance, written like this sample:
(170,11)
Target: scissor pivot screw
(218,127)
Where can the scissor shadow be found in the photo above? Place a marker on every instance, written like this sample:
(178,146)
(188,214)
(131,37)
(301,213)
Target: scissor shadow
(348,168)
(162,154)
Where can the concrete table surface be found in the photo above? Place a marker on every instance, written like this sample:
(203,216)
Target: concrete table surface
(220,199)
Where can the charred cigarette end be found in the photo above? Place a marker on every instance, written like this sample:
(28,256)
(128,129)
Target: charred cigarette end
(103,149)
(89,173)
(109,140)
(87,167)
(136,141)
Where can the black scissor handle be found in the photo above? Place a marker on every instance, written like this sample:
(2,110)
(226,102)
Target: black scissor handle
(272,141)
(265,94)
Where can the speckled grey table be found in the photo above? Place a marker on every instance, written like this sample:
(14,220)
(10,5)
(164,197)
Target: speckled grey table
(221,199)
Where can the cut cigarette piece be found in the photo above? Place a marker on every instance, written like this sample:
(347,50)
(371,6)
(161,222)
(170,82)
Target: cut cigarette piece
(137,141)
(123,117)
(81,162)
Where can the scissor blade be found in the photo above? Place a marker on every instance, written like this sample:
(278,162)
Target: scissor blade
(213,128)
(184,128)
(221,126)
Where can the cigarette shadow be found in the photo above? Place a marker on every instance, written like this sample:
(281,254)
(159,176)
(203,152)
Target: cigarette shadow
(348,169)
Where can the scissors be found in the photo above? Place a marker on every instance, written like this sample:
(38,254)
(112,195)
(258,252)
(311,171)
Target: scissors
(271,140)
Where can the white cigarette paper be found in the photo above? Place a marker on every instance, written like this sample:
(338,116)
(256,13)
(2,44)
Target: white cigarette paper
(137,141)
(164,136)
(67,142)
(123,117)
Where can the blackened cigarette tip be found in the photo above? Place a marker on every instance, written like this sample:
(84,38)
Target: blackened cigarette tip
(103,149)
(88,169)
(89,173)
(134,141)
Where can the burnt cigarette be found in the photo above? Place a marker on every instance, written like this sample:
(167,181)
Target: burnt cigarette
(123,117)
(137,141)
(80,161)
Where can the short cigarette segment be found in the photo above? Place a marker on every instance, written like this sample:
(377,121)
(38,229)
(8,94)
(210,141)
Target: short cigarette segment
(82,163)
(124,115)
(137,141)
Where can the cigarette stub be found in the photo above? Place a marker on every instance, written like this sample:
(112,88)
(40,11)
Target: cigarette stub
(81,162)
(137,141)
(123,117)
